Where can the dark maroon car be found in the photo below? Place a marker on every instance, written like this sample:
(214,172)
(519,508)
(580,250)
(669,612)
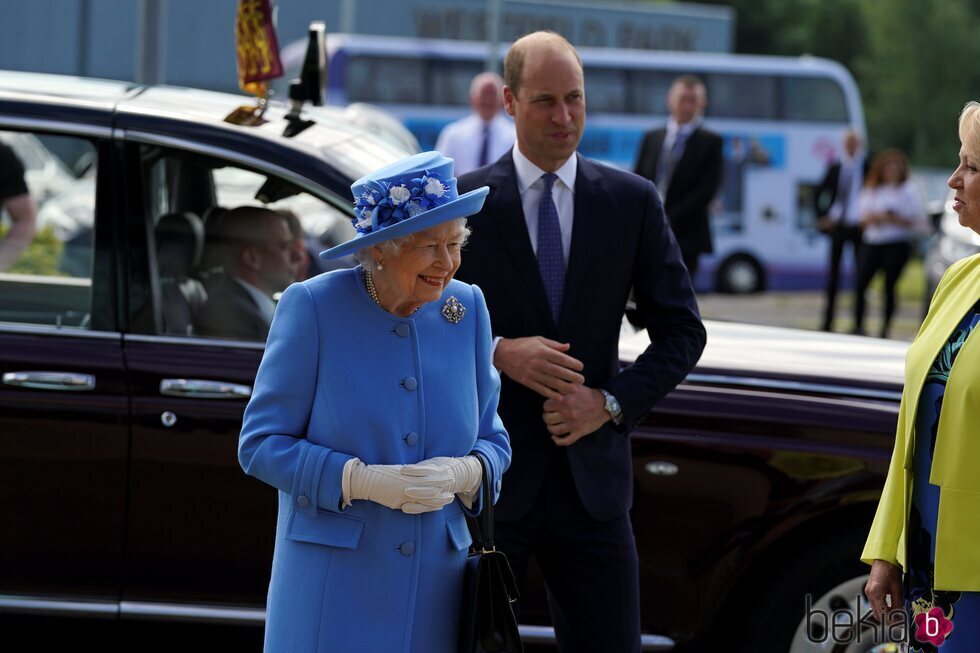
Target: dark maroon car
(120,491)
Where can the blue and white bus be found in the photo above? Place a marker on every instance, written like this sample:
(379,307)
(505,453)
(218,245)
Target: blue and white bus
(782,119)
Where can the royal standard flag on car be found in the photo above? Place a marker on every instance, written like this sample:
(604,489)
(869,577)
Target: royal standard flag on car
(256,46)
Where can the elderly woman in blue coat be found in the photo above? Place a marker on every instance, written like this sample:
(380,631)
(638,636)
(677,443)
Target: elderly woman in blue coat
(375,415)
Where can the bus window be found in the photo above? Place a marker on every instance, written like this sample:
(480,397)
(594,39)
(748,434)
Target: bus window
(605,90)
(741,96)
(451,81)
(813,99)
(649,90)
(394,80)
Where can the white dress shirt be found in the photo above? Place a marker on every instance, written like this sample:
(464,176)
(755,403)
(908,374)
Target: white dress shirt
(674,130)
(852,172)
(530,186)
(901,200)
(461,141)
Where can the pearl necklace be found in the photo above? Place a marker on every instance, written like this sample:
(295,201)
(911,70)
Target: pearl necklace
(371,290)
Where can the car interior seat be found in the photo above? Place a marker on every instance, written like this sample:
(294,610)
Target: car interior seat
(180,241)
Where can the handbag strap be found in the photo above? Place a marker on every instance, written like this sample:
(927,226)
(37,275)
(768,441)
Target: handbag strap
(481,526)
(486,515)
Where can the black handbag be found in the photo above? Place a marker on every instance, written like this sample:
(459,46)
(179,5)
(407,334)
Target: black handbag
(488,621)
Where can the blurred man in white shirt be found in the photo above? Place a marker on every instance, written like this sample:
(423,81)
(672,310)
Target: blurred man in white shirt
(483,136)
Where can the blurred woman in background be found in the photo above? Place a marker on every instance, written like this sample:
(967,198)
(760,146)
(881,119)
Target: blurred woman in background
(890,212)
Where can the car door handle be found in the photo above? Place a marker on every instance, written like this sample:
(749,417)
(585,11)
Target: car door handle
(50,380)
(203,389)
(661,468)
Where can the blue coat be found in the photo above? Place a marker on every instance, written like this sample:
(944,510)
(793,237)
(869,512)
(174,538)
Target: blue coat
(342,378)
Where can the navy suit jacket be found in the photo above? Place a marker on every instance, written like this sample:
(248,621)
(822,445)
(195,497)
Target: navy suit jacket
(230,312)
(826,193)
(620,241)
(694,183)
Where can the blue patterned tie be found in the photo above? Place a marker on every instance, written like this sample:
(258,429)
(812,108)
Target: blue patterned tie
(484,157)
(665,169)
(551,258)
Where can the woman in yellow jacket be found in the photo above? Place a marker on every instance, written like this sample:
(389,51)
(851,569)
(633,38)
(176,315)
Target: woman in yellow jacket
(928,519)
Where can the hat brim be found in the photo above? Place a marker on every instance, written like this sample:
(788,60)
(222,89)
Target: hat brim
(463,206)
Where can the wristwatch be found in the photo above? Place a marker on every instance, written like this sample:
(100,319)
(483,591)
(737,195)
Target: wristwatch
(612,407)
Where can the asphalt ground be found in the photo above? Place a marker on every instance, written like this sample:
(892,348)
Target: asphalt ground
(804,309)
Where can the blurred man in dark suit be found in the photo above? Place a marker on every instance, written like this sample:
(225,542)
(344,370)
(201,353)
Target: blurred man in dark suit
(685,162)
(259,258)
(836,206)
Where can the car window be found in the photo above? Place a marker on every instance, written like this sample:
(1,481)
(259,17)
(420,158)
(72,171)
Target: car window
(46,241)
(226,241)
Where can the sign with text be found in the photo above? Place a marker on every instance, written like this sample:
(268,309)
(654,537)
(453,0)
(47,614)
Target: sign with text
(642,26)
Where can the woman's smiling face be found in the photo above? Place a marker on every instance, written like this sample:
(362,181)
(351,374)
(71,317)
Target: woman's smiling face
(420,272)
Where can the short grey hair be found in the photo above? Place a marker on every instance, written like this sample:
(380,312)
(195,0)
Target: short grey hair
(483,78)
(393,247)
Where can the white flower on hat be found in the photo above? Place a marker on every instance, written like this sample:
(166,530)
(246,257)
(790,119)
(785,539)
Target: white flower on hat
(368,197)
(364,222)
(435,187)
(399,194)
(414,208)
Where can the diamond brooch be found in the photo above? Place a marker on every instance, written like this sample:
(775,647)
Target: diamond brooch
(453,311)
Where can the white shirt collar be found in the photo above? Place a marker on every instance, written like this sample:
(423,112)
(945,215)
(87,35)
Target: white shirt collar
(686,128)
(528,173)
(851,160)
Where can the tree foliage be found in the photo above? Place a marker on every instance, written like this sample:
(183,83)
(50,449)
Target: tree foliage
(914,60)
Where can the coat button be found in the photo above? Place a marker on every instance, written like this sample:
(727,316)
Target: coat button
(407,548)
(303,501)
(410,383)
(402,329)
(497,485)
(412,439)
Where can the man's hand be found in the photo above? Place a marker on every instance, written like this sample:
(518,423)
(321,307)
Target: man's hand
(574,415)
(885,580)
(825,224)
(539,364)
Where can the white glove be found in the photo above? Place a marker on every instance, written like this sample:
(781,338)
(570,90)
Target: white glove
(466,473)
(390,487)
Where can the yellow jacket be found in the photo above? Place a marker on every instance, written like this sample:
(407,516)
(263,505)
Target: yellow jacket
(956,463)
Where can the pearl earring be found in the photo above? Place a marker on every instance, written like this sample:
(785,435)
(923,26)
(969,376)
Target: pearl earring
(380,266)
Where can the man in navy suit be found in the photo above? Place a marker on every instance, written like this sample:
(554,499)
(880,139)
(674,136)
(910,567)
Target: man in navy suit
(259,259)
(558,246)
(835,202)
(685,161)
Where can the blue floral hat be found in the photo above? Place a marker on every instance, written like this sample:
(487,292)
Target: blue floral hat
(406,197)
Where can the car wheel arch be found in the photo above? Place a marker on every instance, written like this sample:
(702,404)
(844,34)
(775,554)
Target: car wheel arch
(774,550)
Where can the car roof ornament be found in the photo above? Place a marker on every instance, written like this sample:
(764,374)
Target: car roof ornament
(310,84)
(257,53)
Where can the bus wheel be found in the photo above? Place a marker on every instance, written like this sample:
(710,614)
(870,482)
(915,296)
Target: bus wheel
(740,274)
